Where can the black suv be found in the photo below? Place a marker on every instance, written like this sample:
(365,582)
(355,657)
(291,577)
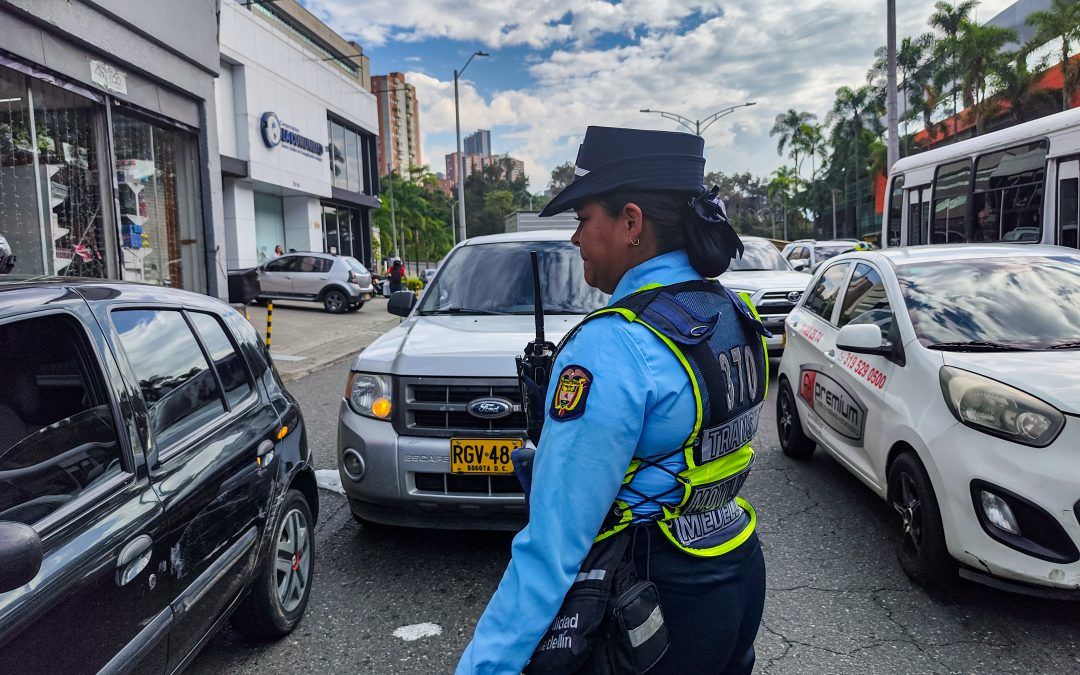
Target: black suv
(155,479)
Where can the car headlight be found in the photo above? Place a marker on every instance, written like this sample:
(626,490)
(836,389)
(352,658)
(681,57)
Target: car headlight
(369,394)
(998,409)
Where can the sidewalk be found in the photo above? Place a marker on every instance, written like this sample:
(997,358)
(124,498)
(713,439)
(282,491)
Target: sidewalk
(305,338)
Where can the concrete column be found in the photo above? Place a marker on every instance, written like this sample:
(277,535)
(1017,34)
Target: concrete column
(239,203)
(303,223)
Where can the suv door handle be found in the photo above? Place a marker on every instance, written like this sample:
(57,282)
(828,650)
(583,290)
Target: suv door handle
(133,558)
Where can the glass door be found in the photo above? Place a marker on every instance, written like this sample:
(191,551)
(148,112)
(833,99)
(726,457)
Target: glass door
(1068,206)
(331,244)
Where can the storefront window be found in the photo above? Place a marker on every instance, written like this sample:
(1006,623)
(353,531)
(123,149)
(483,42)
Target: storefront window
(269,226)
(20,221)
(352,159)
(337,155)
(347,150)
(160,212)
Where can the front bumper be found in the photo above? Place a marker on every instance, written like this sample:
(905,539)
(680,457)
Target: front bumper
(407,482)
(1048,479)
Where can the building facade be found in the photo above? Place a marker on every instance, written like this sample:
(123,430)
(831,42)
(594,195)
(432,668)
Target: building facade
(298,127)
(473,164)
(399,123)
(477,143)
(108,167)
(512,167)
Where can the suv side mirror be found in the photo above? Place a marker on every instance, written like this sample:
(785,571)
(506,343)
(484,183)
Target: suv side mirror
(863,338)
(799,265)
(20,555)
(401,303)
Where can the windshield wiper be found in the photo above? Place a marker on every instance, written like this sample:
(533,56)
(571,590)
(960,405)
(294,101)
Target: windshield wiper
(464,310)
(1071,344)
(978,346)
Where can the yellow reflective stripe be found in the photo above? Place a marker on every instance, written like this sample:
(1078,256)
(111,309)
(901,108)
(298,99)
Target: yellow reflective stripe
(764,345)
(623,312)
(719,469)
(648,287)
(698,412)
(728,546)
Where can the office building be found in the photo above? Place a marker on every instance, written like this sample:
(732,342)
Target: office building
(399,123)
(477,143)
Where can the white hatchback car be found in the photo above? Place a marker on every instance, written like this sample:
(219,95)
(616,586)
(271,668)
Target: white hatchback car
(946,378)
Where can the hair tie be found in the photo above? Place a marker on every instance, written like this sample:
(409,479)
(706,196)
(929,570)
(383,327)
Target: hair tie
(709,211)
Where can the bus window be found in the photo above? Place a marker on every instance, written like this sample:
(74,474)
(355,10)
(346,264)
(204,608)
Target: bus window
(1008,195)
(950,203)
(918,215)
(1068,217)
(896,211)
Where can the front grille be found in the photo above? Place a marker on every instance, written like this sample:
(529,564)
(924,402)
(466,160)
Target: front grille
(448,483)
(775,303)
(439,407)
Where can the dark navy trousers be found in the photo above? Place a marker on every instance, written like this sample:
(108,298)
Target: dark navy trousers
(712,606)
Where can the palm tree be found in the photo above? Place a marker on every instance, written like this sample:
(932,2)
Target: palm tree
(852,108)
(1018,86)
(1062,21)
(787,127)
(978,56)
(948,19)
(809,140)
(783,180)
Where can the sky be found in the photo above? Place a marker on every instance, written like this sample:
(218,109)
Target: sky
(556,66)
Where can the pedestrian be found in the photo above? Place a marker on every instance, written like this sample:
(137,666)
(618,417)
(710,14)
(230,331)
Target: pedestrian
(652,405)
(397,275)
(279,251)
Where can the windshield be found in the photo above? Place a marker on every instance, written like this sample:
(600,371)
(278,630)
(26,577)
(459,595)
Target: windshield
(355,265)
(826,252)
(1026,302)
(497,279)
(759,255)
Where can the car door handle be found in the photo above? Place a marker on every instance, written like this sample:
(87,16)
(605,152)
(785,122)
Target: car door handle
(322,278)
(134,558)
(288,276)
(831,354)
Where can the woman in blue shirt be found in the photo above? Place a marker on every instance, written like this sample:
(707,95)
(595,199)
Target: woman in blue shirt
(624,396)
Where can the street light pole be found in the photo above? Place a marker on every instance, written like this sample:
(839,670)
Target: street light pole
(460,158)
(893,148)
(699,126)
(393,218)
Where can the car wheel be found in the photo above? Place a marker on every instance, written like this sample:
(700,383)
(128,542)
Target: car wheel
(335,302)
(357,307)
(279,595)
(793,442)
(920,544)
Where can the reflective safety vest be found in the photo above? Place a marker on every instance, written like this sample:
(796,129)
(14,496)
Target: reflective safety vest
(718,338)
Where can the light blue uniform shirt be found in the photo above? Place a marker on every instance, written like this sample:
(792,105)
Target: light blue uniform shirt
(640,404)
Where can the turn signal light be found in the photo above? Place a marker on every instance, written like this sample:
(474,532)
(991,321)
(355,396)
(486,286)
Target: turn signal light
(381,408)
(282,433)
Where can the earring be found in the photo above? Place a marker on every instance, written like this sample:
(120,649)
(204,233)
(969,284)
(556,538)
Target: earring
(635,242)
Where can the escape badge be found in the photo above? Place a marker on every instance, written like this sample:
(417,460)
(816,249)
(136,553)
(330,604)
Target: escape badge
(571,393)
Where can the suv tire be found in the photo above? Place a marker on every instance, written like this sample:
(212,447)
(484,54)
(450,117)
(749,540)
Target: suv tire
(920,544)
(357,307)
(335,302)
(268,612)
(793,442)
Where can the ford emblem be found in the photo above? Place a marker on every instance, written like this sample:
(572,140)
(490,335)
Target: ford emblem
(490,408)
(793,297)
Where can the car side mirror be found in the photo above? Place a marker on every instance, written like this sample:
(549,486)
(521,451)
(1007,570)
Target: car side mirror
(401,303)
(20,555)
(863,338)
(799,265)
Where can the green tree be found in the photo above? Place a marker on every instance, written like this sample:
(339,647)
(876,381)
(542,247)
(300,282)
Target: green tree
(854,109)
(978,56)
(949,19)
(747,201)
(783,181)
(422,215)
(1019,87)
(561,176)
(1061,21)
(786,128)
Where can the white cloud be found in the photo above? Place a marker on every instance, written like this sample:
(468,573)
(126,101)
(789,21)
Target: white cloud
(773,52)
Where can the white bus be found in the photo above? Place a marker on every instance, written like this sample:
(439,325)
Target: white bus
(1019,184)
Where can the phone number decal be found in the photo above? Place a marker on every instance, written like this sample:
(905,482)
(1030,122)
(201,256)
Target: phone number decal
(863,370)
(812,334)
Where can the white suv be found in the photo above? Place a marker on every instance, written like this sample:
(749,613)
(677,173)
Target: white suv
(432,410)
(772,285)
(946,379)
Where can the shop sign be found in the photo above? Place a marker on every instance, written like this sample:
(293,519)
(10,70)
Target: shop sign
(275,133)
(109,78)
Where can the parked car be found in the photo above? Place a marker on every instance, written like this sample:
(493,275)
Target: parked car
(340,282)
(155,479)
(445,379)
(428,275)
(804,255)
(763,274)
(946,379)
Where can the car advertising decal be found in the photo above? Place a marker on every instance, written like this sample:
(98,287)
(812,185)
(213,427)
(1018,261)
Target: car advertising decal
(837,407)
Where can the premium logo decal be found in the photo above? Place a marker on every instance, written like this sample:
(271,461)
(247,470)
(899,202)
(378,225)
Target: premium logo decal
(841,410)
(571,393)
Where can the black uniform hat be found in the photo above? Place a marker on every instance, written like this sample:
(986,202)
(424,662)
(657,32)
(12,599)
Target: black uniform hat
(611,159)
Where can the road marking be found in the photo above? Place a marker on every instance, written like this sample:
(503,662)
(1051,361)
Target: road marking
(329,479)
(417,631)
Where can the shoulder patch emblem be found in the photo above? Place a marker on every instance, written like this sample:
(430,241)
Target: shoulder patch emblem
(571,392)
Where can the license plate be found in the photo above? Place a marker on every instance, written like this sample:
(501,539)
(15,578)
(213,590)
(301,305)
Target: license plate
(367,296)
(482,455)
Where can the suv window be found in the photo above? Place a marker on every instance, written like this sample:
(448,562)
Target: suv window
(177,384)
(310,263)
(865,300)
(227,362)
(283,264)
(822,297)
(57,432)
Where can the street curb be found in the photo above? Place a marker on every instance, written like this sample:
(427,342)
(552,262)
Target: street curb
(307,370)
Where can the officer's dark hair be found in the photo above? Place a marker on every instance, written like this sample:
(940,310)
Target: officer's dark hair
(674,227)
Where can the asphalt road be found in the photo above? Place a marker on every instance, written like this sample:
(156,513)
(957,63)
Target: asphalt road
(837,600)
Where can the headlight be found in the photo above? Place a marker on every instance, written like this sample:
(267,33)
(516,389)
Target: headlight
(369,394)
(998,409)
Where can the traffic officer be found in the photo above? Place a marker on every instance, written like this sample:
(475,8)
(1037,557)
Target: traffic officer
(650,411)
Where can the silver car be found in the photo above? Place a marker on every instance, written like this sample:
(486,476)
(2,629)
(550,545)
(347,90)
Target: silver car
(339,282)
